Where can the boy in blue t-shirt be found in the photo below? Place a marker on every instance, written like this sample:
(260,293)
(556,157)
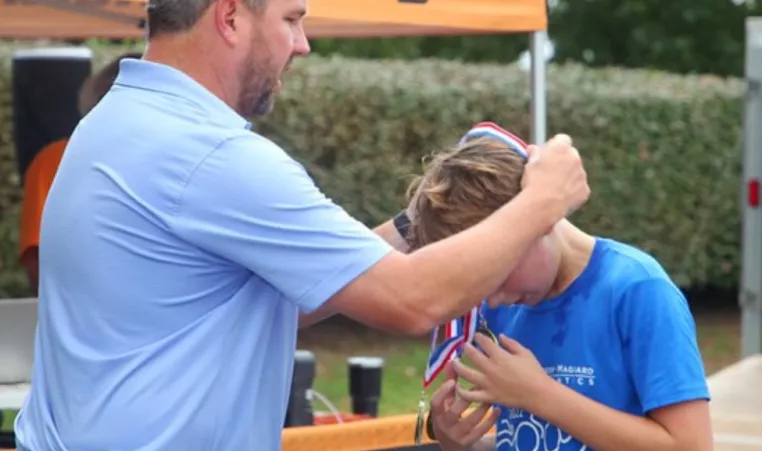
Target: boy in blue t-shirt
(602,353)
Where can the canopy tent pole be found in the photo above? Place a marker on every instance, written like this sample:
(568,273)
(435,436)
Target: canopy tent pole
(538,96)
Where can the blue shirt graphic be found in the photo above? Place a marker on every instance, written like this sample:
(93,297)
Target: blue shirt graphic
(177,249)
(621,334)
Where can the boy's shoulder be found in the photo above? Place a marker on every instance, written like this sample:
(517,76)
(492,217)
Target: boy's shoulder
(631,280)
(625,265)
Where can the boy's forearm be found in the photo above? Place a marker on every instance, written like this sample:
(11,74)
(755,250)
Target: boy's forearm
(597,425)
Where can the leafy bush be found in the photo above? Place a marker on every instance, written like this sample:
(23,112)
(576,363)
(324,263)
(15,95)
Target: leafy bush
(662,151)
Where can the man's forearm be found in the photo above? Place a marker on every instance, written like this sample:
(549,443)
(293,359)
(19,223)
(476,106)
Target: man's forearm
(445,279)
(321,313)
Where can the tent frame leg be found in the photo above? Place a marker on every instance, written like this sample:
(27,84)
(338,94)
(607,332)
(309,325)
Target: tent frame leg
(538,99)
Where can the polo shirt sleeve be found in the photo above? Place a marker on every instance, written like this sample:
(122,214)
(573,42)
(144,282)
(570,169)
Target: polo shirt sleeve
(251,204)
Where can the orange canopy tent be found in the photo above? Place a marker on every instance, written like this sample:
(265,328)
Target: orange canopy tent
(81,19)
(326,18)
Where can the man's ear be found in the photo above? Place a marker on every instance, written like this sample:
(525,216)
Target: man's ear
(227,20)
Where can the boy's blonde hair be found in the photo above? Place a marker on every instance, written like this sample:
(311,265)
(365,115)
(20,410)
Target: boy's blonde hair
(462,186)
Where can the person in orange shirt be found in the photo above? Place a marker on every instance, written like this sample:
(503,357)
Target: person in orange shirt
(41,171)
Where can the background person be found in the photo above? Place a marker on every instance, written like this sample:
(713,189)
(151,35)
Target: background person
(42,170)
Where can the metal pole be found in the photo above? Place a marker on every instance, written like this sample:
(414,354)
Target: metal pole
(750,296)
(538,100)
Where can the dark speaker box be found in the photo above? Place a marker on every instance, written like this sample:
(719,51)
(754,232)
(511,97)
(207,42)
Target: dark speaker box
(46,83)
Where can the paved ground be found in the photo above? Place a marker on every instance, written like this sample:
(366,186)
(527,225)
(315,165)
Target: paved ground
(737,406)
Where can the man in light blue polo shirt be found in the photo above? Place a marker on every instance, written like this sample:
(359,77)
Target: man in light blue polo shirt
(179,249)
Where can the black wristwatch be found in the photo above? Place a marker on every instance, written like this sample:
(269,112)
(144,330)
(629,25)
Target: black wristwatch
(402,224)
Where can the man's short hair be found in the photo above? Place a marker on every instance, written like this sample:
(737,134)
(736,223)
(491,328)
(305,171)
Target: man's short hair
(98,84)
(175,16)
(462,186)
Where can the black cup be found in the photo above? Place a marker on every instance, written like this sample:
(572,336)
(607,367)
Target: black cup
(365,384)
(300,412)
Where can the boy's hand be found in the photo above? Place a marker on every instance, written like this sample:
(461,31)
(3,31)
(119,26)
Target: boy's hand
(555,171)
(509,376)
(454,432)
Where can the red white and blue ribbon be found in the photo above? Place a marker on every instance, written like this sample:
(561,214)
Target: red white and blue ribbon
(462,330)
(492,130)
(457,333)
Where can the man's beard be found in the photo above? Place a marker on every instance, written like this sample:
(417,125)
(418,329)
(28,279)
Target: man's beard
(257,96)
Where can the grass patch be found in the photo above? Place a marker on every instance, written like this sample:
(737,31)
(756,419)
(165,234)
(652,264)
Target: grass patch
(719,338)
(401,384)
(8,417)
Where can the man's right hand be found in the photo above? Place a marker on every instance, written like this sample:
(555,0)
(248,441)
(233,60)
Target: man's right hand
(555,171)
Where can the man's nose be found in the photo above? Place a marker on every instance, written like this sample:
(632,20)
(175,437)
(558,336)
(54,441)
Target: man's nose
(302,45)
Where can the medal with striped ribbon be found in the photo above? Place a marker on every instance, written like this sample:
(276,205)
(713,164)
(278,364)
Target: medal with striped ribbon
(457,332)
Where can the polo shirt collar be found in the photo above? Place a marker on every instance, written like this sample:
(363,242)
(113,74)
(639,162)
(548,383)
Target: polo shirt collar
(152,76)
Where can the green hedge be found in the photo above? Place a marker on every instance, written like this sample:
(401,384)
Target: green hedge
(662,151)
(11,282)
